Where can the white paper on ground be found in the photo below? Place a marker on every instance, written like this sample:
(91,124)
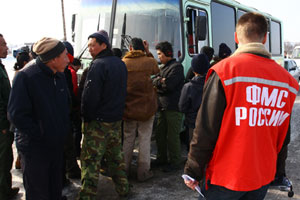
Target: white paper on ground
(188,178)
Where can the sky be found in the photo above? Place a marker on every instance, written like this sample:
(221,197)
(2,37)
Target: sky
(29,20)
(288,11)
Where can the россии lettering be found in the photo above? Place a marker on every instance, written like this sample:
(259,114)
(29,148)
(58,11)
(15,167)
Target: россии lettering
(256,116)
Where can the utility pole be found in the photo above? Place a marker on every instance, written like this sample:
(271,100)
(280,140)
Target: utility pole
(64,21)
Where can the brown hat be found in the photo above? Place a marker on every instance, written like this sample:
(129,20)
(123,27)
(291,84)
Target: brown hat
(48,48)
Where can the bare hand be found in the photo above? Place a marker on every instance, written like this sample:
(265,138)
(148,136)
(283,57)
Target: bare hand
(146,45)
(4,131)
(191,184)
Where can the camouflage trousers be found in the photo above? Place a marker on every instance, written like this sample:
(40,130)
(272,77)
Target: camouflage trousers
(102,139)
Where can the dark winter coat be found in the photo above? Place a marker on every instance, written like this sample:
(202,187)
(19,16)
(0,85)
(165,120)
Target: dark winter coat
(4,95)
(39,108)
(169,91)
(104,92)
(190,99)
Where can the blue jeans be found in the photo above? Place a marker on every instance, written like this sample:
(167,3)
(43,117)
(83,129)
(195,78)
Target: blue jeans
(215,192)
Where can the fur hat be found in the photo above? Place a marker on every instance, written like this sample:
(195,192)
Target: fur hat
(102,36)
(200,64)
(224,51)
(48,48)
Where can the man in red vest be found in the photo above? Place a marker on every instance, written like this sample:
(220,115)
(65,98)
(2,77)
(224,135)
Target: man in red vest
(243,119)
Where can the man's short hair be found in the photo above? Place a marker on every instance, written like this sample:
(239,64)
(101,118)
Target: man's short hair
(1,35)
(137,44)
(252,26)
(166,48)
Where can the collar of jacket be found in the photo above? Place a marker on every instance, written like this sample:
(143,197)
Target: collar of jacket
(1,65)
(104,53)
(169,62)
(135,54)
(44,67)
(198,79)
(253,48)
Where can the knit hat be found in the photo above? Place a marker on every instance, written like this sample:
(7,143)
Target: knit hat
(102,36)
(70,50)
(224,51)
(200,64)
(69,47)
(48,48)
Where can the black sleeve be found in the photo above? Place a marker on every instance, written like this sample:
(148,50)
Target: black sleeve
(184,100)
(175,77)
(20,108)
(92,91)
(189,75)
(207,129)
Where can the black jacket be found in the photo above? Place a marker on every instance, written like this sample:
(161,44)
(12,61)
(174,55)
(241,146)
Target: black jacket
(169,91)
(39,108)
(190,99)
(104,92)
(4,95)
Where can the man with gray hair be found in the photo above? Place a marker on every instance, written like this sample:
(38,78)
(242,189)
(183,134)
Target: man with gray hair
(39,108)
(6,136)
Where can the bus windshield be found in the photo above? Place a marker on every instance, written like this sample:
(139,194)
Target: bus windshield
(94,15)
(151,20)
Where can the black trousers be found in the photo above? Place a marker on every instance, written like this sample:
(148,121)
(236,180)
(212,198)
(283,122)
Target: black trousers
(283,154)
(42,175)
(6,160)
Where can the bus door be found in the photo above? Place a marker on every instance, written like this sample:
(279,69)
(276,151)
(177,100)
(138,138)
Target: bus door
(196,29)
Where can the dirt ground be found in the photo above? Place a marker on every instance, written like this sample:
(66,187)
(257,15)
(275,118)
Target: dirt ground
(170,186)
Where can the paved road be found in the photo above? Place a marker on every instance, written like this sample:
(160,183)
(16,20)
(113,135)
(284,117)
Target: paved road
(171,187)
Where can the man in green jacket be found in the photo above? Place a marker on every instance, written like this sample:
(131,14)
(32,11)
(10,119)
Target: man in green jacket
(6,136)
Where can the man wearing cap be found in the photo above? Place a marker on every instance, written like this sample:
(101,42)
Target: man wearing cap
(6,136)
(39,108)
(103,102)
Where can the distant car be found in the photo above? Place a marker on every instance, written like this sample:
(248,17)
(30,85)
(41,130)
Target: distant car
(291,66)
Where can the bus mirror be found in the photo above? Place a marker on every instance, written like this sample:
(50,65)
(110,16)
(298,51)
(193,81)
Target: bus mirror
(73,26)
(200,28)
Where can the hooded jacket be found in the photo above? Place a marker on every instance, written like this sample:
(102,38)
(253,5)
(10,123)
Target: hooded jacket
(141,99)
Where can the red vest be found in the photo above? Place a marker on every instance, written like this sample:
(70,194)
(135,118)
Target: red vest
(259,99)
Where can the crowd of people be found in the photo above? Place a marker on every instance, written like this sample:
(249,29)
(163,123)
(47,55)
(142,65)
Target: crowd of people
(226,103)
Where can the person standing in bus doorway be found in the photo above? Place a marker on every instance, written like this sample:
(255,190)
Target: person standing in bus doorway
(39,108)
(191,93)
(6,136)
(209,52)
(168,83)
(140,106)
(237,138)
(224,52)
(103,102)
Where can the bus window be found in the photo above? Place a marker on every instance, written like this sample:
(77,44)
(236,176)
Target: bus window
(223,26)
(151,21)
(193,45)
(275,38)
(239,14)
